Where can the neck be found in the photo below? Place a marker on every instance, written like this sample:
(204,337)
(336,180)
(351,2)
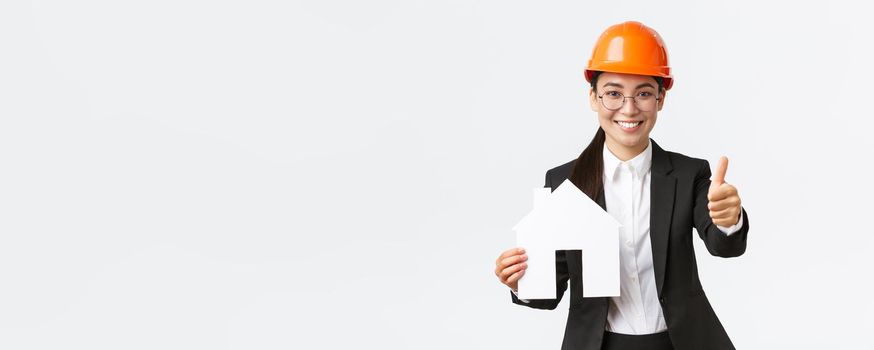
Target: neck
(625,153)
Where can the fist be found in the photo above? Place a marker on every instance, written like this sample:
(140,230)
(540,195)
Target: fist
(724,202)
(510,267)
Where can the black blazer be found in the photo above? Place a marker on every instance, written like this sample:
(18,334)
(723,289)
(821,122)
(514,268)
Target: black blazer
(679,186)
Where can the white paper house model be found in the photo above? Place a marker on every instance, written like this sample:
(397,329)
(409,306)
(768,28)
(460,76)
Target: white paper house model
(567,219)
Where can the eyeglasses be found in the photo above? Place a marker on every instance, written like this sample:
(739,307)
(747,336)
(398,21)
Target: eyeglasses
(614,100)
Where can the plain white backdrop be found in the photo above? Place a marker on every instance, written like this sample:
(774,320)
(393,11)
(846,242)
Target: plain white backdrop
(343,174)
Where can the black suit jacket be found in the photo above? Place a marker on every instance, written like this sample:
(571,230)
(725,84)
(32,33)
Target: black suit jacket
(679,186)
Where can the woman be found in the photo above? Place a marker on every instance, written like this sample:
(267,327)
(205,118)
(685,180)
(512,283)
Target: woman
(658,196)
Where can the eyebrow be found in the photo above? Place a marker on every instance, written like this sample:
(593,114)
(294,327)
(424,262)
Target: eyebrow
(620,85)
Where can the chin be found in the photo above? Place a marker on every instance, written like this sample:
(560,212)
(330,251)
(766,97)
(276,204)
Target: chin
(631,141)
(634,143)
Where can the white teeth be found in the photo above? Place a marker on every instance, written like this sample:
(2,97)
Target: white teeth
(628,125)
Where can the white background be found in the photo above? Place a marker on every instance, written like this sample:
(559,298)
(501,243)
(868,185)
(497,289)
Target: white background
(342,174)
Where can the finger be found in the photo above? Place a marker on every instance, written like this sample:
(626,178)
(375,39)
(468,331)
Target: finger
(723,214)
(725,222)
(513,260)
(719,176)
(507,253)
(515,277)
(730,202)
(715,195)
(513,269)
(719,192)
(510,252)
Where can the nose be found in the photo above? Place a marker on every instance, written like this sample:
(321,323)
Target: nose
(629,107)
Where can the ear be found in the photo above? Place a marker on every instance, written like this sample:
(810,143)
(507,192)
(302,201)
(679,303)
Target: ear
(664,93)
(593,100)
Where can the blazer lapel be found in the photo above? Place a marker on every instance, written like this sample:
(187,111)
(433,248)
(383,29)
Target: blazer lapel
(662,190)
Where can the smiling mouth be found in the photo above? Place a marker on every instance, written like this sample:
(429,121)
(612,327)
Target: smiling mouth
(628,125)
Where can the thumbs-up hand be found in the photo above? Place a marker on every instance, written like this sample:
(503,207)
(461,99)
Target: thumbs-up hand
(724,202)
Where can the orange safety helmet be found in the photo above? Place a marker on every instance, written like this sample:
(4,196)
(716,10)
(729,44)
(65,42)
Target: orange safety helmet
(631,48)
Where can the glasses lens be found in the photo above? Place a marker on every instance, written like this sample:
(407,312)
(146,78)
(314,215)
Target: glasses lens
(612,101)
(646,102)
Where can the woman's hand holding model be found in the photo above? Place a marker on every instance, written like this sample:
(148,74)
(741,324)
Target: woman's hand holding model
(510,267)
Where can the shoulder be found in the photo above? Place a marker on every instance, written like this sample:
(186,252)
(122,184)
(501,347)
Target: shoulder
(565,168)
(559,173)
(683,162)
(683,166)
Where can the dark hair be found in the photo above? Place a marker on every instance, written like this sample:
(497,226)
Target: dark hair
(588,168)
(595,74)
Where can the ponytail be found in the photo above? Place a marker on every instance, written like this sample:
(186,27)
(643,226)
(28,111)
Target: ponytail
(589,167)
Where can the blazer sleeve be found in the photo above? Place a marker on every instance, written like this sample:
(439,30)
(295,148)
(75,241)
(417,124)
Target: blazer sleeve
(716,241)
(561,276)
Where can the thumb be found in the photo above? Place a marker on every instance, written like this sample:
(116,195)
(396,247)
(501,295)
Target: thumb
(719,176)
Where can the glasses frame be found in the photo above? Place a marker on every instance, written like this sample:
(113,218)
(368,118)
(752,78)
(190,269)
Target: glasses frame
(657,98)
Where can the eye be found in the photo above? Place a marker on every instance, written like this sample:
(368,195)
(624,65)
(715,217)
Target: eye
(612,93)
(645,94)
